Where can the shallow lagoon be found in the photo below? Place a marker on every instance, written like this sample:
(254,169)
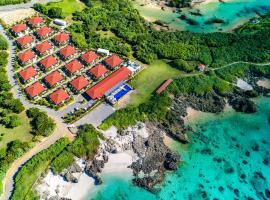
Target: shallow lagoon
(227,158)
(233,12)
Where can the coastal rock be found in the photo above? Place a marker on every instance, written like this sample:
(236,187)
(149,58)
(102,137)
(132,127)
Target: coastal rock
(242,104)
(70,178)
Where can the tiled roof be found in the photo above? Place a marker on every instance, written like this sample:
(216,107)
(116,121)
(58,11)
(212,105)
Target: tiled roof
(35,20)
(98,90)
(98,70)
(19,28)
(79,83)
(28,73)
(89,56)
(48,62)
(73,66)
(59,96)
(113,61)
(45,30)
(44,46)
(26,56)
(35,89)
(61,37)
(25,40)
(54,78)
(67,51)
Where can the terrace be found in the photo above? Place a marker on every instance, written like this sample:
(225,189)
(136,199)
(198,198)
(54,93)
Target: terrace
(62,75)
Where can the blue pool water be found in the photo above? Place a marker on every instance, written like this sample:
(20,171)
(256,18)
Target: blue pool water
(122,92)
(226,159)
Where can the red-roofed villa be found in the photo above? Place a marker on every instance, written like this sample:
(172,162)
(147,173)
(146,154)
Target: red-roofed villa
(25,41)
(67,52)
(48,63)
(98,71)
(27,57)
(113,61)
(44,48)
(59,96)
(35,22)
(35,89)
(19,30)
(61,39)
(27,74)
(44,32)
(53,78)
(89,57)
(73,67)
(79,83)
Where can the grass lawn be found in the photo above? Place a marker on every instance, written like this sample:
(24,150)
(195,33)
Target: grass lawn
(68,6)
(149,79)
(21,132)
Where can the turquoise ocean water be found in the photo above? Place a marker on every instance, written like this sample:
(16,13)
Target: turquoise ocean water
(233,12)
(227,159)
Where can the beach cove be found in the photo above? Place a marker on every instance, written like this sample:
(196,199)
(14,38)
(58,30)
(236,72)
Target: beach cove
(227,158)
(233,12)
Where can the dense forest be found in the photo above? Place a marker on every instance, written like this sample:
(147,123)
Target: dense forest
(8,2)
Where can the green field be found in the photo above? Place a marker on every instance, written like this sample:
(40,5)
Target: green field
(68,6)
(149,79)
(21,132)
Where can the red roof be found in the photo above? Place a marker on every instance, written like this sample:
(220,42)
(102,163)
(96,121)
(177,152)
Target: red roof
(98,90)
(54,78)
(19,28)
(45,30)
(59,96)
(164,86)
(89,56)
(25,40)
(35,89)
(98,70)
(48,62)
(26,56)
(113,61)
(79,83)
(43,47)
(61,37)
(28,73)
(67,51)
(35,20)
(73,66)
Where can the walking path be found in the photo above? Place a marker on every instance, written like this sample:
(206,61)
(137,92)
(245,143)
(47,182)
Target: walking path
(24,5)
(61,129)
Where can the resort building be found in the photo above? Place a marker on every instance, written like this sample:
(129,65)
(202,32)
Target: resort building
(53,78)
(35,22)
(133,67)
(73,67)
(35,89)
(113,61)
(78,84)
(201,67)
(27,74)
(164,86)
(48,63)
(109,84)
(103,52)
(19,30)
(89,57)
(98,72)
(59,96)
(44,32)
(26,57)
(67,52)
(25,42)
(44,48)
(61,39)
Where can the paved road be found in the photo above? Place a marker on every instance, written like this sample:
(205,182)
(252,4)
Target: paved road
(24,5)
(61,130)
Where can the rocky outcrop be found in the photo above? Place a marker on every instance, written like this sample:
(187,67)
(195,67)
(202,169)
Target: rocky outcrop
(242,104)
(154,158)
